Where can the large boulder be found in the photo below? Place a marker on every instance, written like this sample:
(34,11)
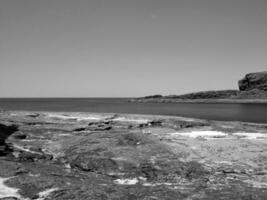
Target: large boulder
(254,81)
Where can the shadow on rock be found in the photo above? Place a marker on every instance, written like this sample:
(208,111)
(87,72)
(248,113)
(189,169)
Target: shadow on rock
(94,163)
(5,132)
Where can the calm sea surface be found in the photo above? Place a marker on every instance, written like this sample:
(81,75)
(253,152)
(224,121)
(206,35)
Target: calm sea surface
(227,112)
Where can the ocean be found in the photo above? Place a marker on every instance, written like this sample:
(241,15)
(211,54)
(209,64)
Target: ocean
(211,111)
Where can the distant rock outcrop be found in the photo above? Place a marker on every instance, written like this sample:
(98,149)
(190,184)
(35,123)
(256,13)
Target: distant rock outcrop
(252,87)
(254,81)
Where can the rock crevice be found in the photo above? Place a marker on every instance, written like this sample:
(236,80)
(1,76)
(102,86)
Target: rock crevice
(5,132)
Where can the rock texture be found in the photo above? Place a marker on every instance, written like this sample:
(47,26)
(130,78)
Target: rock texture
(219,94)
(254,81)
(252,88)
(5,132)
(79,156)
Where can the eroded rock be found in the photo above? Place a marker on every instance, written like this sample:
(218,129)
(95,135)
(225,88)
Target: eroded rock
(157,160)
(5,132)
(94,163)
(254,81)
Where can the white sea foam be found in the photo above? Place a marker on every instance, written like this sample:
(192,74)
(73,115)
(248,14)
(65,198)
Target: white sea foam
(126,181)
(204,134)
(90,118)
(29,140)
(124,119)
(25,149)
(157,184)
(218,135)
(6,191)
(251,136)
(34,175)
(80,117)
(59,116)
(75,117)
(64,134)
(42,195)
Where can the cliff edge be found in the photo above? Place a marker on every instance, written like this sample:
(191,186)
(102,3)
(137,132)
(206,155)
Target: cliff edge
(253,81)
(252,88)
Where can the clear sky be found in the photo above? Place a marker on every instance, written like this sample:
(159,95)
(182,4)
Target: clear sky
(127,48)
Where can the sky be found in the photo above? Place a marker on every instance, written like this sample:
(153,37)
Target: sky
(128,48)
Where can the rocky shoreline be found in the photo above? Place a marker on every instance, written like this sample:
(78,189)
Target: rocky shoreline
(252,89)
(220,101)
(45,155)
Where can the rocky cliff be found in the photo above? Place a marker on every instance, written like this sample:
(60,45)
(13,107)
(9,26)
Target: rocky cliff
(252,88)
(254,81)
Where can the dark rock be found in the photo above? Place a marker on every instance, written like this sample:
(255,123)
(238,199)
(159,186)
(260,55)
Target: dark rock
(31,123)
(90,165)
(148,170)
(153,96)
(111,118)
(93,123)
(151,123)
(179,124)
(5,132)
(5,149)
(30,190)
(155,123)
(103,128)
(36,149)
(193,170)
(171,170)
(34,154)
(254,81)
(143,125)
(34,115)
(21,171)
(28,156)
(100,126)
(8,167)
(79,129)
(20,136)
(216,94)
(131,139)
(94,163)
(130,126)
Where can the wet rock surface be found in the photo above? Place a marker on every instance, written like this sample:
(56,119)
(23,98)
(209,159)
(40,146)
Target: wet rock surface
(105,156)
(5,132)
